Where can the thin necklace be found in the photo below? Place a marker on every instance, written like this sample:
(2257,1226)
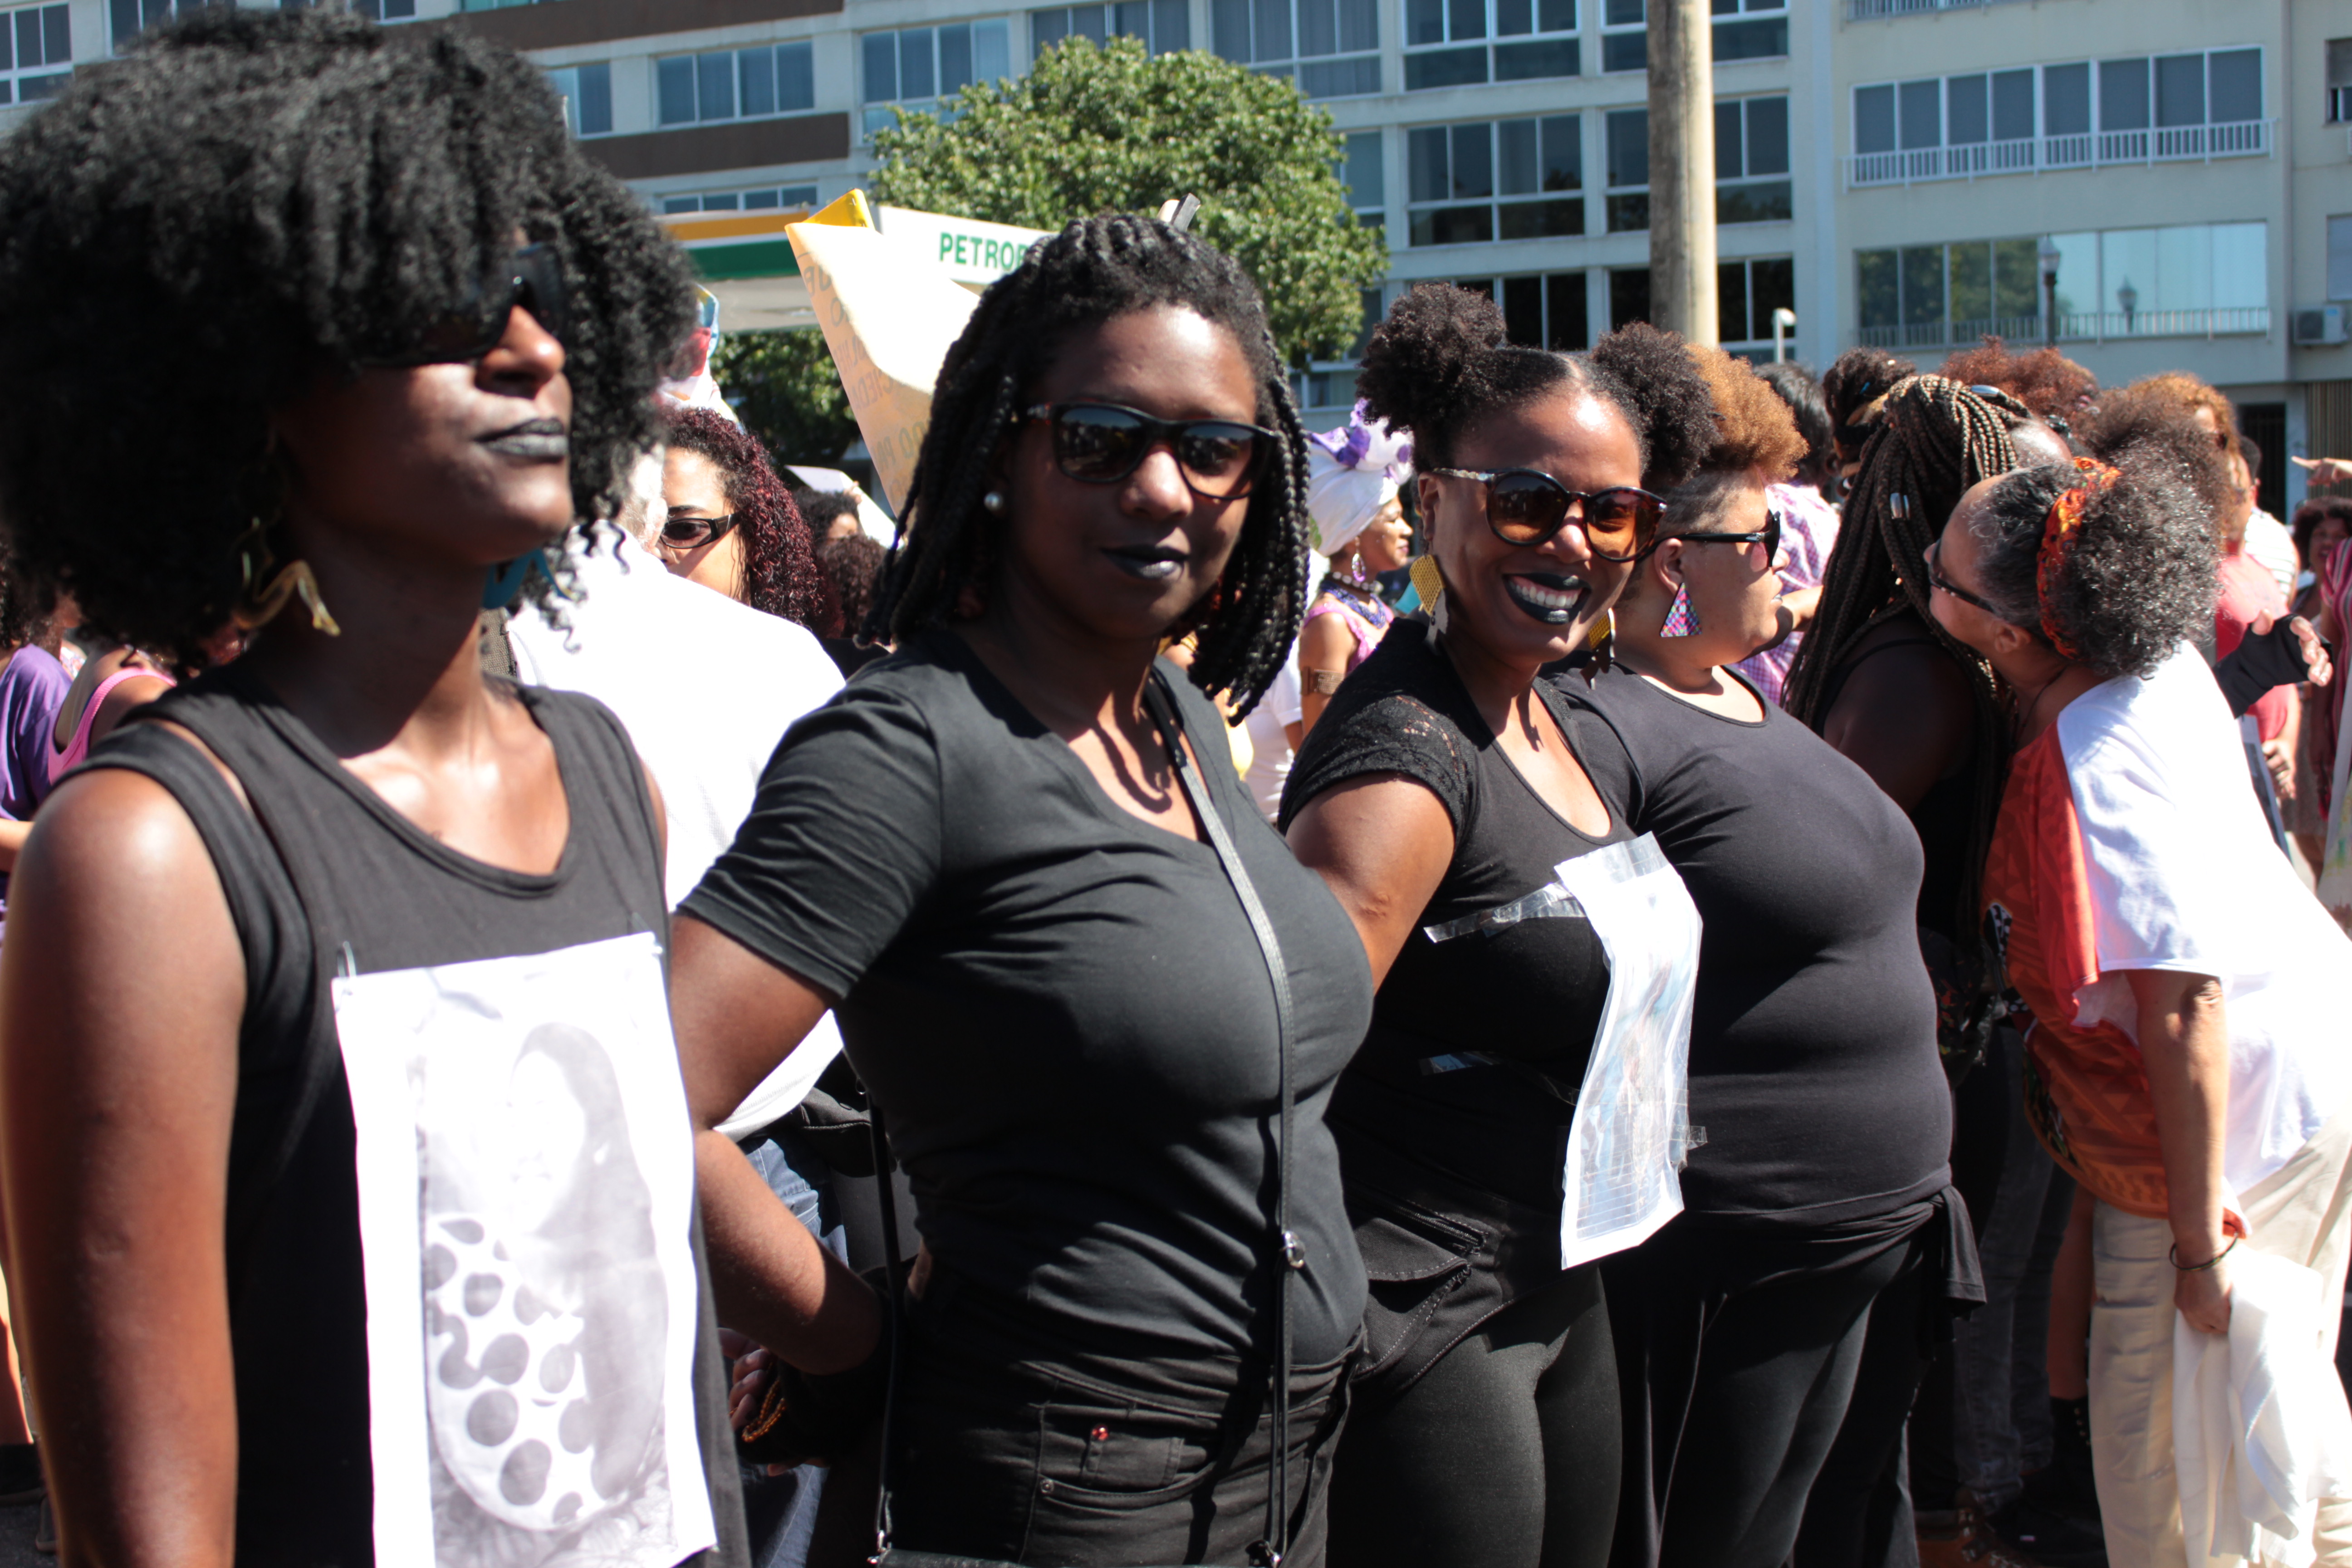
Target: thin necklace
(2025,711)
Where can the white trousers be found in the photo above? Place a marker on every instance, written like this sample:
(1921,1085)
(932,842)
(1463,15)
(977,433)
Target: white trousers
(2302,1212)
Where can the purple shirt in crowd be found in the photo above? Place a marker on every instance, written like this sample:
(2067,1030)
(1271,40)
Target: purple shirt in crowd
(32,688)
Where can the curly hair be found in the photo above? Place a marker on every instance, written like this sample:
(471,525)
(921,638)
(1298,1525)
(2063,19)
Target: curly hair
(2307,519)
(854,563)
(2160,414)
(779,572)
(2049,386)
(1094,271)
(191,236)
(1755,432)
(819,507)
(1442,360)
(1852,388)
(2137,582)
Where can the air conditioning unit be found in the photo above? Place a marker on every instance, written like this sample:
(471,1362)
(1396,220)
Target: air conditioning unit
(2318,326)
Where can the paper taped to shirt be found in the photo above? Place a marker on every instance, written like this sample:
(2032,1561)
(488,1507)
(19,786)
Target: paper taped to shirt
(1632,1133)
(526,1183)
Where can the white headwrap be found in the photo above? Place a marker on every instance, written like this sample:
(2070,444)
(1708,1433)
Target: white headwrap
(1351,473)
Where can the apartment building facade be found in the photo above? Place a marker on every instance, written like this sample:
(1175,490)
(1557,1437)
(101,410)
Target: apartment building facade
(1892,170)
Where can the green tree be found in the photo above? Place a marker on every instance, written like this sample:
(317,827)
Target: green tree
(785,390)
(1115,129)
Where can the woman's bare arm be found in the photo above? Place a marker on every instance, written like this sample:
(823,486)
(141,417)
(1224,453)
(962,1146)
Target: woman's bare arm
(121,985)
(1382,842)
(1325,645)
(2184,1037)
(1906,717)
(737,1016)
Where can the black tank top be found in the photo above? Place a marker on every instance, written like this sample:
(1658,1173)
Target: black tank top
(322,876)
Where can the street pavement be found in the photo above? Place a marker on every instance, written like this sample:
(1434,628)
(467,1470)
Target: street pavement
(16,1538)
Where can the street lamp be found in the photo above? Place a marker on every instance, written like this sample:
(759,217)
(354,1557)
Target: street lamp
(1784,321)
(2128,297)
(2049,258)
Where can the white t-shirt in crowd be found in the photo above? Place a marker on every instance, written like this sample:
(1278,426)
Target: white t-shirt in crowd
(2183,875)
(706,686)
(2272,543)
(1270,755)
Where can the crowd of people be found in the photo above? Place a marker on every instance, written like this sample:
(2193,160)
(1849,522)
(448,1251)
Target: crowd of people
(565,1004)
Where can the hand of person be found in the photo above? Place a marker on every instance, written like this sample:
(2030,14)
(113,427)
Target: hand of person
(2318,668)
(2326,470)
(752,1367)
(2203,1297)
(2279,757)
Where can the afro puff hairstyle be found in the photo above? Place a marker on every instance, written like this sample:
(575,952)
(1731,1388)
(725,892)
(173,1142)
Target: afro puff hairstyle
(1756,434)
(191,236)
(1442,360)
(2139,578)
(780,571)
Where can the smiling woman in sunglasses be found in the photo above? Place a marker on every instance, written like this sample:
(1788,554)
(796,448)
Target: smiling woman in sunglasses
(1446,779)
(1012,861)
(349,1191)
(1821,1179)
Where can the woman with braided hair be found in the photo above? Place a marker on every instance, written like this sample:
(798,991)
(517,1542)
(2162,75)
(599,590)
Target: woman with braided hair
(989,857)
(2189,1060)
(1447,780)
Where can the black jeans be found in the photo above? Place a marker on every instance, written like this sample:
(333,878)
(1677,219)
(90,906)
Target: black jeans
(1095,1462)
(1736,1353)
(1503,1455)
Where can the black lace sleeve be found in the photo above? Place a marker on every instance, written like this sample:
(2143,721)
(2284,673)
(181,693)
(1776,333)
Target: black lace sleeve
(1394,733)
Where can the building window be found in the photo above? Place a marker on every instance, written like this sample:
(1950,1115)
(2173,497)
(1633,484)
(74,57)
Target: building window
(767,198)
(128,18)
(2339,258)
(1163,25)
(1328,43)
(1628,295)
(587,96)
(1365,174)
(34,41)
(735,84)
(2192,279)
(1444,41)
(913,70)
(373,10)
(1746,295)
(1541,311)
(2339,80)
(1739,32)
(1751,147)
(1629,171)
(1495,180)
(2144,109)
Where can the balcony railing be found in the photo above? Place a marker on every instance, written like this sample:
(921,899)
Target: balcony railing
(2077,327)
(1872,10)
(2087,150)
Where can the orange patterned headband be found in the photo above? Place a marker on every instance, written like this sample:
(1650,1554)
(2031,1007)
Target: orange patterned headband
(2061,528)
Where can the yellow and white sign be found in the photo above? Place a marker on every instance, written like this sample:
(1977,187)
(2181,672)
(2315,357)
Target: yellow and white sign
(969,250)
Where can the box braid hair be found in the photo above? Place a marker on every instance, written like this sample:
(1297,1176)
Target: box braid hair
(1094,271)
(1933,440)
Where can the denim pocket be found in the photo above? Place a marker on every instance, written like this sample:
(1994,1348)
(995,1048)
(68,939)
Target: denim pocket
(1112,1453)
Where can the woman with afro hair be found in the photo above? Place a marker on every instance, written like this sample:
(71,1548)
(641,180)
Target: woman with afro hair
(395,341)
(732,526)
(1821,1199)
(1446,779)
(2190,1061)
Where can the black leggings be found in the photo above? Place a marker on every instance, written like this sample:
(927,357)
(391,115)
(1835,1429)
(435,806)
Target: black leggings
(1504,1455)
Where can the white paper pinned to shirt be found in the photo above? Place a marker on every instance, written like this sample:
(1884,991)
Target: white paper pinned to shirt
(1631,1132)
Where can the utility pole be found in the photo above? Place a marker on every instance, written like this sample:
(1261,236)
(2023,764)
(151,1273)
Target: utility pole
(1681,169)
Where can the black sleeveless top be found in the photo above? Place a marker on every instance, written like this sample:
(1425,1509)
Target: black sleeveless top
(1453,1119)
(321,877)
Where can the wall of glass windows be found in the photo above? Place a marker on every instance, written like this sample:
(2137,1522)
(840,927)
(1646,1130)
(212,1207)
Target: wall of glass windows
(587,92)
(1445,46)
(734,84)
(1162,24)
(1752,163)
(1739,32)
(1328,45)
(914,67)
(1495,180)
(37,52)
(2180,281)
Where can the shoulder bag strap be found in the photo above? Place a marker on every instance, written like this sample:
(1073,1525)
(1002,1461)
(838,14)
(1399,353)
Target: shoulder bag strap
(1290,1257)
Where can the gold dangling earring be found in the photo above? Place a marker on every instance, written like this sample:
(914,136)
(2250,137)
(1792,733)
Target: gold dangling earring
(1427,580)
(257,602)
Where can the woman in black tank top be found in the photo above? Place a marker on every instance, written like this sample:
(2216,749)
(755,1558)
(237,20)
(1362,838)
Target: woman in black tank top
(352,1184)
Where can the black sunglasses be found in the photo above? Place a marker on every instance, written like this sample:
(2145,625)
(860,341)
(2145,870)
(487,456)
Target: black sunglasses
(1935,579)
(1769,536)
(693,532)
(1526,506)
(532,279)
(1102,443)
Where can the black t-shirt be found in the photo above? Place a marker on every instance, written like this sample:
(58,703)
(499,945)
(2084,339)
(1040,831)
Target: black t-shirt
(1525,998)
(1063,1012)
(1813,1061)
